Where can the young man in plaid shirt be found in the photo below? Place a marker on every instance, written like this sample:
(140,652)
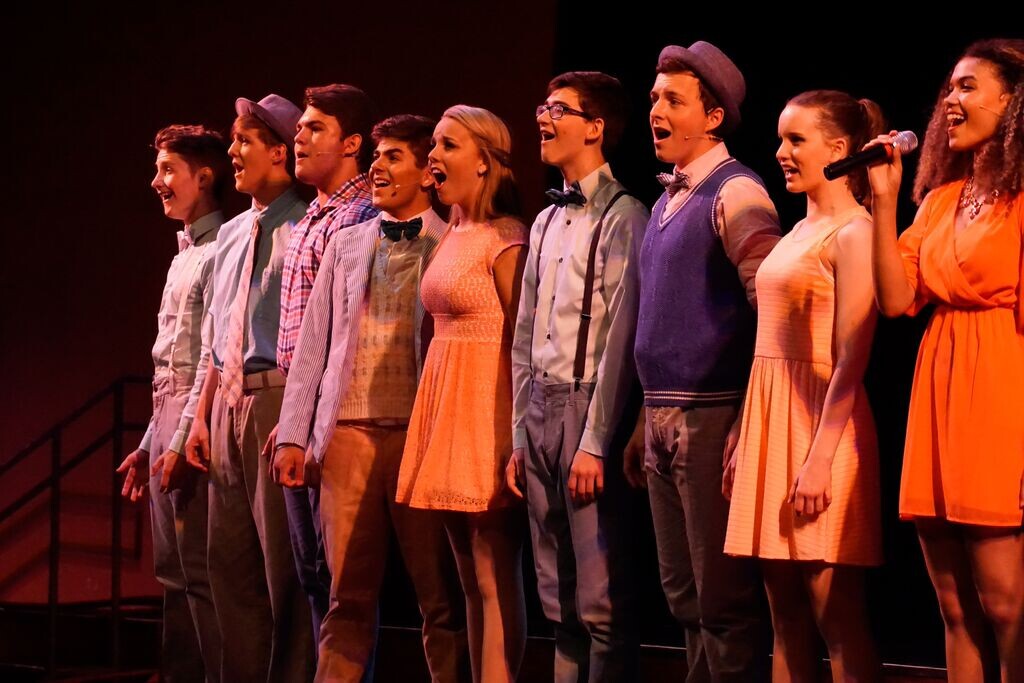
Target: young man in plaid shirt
(333,151)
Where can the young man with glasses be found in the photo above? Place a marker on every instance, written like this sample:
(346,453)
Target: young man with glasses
(572,365)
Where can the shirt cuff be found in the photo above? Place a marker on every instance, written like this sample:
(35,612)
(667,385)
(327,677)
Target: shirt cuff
(592,443)
(147,439)
(519,439)
(181,435)
(179,438)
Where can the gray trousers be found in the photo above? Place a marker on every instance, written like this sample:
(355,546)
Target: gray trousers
(581,553)
(263,613)
(190,649)
(718,599)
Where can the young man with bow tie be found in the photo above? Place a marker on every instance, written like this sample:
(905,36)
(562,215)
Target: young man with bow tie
(572,365)
(192,176)
(263,614)
(332,153)
(347,405)
(708,234)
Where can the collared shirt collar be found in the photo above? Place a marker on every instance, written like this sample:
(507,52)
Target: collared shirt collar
(701,167)
(198,231)
(343,195)
(594,181)
(274,214)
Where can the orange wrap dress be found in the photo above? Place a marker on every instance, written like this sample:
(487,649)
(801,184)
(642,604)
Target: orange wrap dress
(964,453)
(460,431)
(793,363)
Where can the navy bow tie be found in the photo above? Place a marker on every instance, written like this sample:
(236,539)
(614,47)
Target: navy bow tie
(394,230)
(674,181)
(571,196)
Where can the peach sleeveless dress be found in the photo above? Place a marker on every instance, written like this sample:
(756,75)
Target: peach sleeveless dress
(460,433)
(793,364)
(964,455)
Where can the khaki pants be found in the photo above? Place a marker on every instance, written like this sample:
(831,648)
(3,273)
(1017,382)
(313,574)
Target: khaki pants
(358,511)
(263,613)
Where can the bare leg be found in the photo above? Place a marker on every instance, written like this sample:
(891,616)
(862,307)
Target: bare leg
(488,551)
(950,570)
(837,598)
(795,658)
(997,559)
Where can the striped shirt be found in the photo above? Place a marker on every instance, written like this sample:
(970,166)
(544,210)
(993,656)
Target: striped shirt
(349,206)
(179,355)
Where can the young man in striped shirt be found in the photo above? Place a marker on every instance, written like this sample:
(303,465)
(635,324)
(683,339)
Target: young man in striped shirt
(347,407)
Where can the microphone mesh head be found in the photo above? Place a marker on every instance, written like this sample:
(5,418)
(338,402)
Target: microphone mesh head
(905,141)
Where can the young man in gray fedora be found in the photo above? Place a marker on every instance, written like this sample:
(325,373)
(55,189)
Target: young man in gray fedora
(708,234)
(264,618)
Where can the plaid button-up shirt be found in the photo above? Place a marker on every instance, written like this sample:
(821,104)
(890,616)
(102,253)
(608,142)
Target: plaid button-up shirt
(349,206)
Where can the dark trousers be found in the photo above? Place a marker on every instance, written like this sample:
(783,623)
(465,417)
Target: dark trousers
(303,509)
(718,599)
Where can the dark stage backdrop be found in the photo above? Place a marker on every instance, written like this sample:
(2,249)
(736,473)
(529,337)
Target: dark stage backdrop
(87,247)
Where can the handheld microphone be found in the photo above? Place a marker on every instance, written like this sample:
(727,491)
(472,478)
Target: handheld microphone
(905,141)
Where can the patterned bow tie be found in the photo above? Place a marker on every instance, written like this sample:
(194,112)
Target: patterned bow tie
(674,181)
(184,240)
(571,196)
(394,230)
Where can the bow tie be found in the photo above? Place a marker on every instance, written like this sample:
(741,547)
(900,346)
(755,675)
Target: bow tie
(674,181)
(394,230)
(184,240)
(571,196)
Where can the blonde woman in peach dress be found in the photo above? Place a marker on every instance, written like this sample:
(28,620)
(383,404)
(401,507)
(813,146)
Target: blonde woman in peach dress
(805,493)
(963,462)
(460,435)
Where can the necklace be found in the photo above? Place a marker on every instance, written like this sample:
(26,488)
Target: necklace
(972,203)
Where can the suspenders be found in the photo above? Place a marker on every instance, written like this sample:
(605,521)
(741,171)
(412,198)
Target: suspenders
(583,335)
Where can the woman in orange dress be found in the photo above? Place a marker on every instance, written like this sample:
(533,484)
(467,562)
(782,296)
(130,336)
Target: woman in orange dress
(963,463)
(460,438)
(805,493)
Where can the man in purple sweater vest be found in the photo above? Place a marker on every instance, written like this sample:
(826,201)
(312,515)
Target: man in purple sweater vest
(707,236)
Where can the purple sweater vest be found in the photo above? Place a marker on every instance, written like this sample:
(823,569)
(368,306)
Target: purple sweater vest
(695,333)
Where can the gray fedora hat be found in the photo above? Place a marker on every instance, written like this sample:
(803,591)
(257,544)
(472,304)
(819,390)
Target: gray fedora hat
(721,76)
(280,115)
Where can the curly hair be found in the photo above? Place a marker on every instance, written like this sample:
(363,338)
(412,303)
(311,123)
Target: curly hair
(1001,159)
